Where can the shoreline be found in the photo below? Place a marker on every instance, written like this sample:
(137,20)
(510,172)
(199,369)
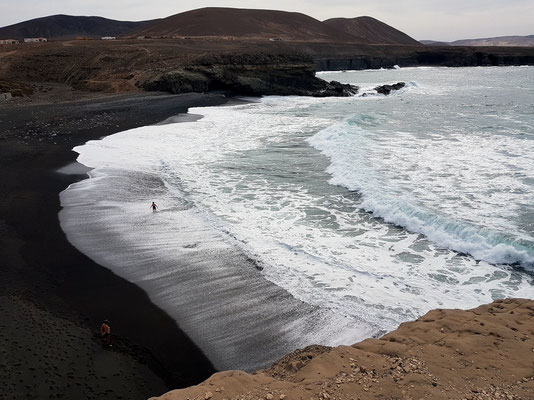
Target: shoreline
(57,286)
(46,292)
(108,247)
(207,283)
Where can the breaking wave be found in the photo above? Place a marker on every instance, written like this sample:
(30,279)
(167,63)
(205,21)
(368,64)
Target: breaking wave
(345,145)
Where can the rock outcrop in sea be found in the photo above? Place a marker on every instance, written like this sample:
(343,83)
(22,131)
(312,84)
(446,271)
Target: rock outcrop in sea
(387,89)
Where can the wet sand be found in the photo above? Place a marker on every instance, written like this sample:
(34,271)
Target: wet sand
(52,297)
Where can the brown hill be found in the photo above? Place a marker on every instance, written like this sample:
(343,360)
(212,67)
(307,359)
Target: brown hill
(64,27)
(371,29)
(245,23)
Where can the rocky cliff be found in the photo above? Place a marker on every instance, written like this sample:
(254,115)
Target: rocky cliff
(249,74)
(174,67)
(371,57)
(244,67)
(484,353)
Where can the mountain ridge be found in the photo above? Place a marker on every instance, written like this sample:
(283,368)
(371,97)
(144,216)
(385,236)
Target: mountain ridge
(212,22)
(65,27)
(238,23)
(246,23)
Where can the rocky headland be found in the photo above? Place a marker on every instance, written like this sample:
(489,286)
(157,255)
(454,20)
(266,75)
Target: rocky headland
(249,74)
(168,66)
(484,353)
(241,67)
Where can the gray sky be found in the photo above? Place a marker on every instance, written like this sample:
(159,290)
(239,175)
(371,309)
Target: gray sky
(422,19)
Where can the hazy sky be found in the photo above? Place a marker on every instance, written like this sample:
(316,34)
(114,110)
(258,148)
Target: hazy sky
(422,19)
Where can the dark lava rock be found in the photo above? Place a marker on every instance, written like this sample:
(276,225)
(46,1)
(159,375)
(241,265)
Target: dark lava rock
(336,89)
(251,75)
(387,89)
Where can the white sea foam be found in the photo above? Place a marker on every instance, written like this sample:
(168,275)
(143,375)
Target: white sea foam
(333,72)
(378,70)
(358,164)
(243,188)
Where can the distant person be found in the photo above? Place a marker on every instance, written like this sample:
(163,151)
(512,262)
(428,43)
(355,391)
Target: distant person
(154,207)
(105,332)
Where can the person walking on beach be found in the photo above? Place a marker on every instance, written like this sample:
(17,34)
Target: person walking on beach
(105,332)
(154,207)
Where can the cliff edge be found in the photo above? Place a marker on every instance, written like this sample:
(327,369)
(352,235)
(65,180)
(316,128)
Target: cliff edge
(483,353)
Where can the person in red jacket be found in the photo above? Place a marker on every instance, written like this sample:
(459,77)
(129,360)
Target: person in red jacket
(105,332)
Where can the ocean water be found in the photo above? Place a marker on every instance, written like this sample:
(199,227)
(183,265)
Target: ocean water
(288,221)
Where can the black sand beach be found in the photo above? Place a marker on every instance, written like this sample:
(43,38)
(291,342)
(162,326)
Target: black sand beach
(52,297)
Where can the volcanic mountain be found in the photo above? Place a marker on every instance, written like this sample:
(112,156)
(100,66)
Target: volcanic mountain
(245,23)
(371,29)
(64,27)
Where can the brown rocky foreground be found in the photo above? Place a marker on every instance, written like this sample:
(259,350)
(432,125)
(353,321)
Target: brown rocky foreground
(484,353)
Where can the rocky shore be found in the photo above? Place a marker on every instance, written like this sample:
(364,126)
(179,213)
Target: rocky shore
(252,75)
(485,353)
(243,67)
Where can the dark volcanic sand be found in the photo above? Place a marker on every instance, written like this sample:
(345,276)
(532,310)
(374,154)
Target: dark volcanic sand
(52,297)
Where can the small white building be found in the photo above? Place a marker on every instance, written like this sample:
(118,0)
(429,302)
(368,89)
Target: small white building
(8,41)
(35,40)
(109,38)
